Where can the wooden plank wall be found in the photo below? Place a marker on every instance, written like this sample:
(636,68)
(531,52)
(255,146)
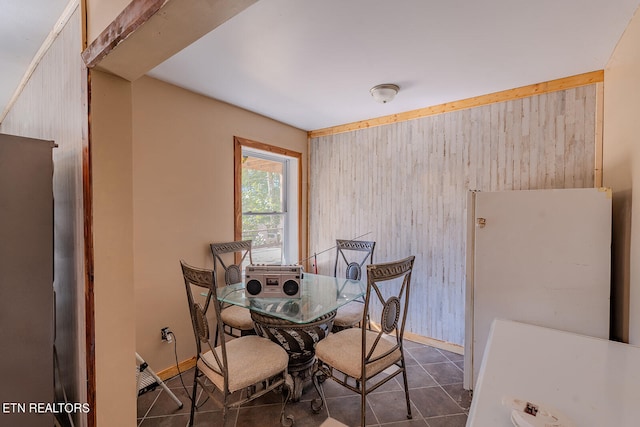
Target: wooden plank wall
(52,107)
(406,184)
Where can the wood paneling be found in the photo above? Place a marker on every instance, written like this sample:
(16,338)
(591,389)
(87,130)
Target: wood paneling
(477,101)
(52,106)
(407,184)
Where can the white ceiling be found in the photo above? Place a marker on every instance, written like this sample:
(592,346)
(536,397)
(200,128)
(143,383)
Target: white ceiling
(311,63)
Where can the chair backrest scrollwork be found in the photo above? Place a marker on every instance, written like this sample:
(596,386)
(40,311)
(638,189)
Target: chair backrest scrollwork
(354,254)
(388,289)
(232,271)
(197,279)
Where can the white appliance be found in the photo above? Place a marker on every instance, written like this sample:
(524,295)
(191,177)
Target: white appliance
(582,381)
(536,256)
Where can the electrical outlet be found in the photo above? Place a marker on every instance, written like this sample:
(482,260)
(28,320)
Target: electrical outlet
(166,334)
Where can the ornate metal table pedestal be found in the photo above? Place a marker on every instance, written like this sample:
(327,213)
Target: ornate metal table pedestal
(298,340)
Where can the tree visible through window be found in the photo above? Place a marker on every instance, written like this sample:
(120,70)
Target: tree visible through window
(264,205)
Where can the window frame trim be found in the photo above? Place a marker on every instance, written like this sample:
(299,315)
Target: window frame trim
(238,144)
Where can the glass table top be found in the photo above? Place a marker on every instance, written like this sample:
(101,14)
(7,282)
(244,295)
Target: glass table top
(319,295)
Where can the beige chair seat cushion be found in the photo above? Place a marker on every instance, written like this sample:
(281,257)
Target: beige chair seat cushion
(251,359)
(349,314)
(331,422)
(342,350)
(237,317)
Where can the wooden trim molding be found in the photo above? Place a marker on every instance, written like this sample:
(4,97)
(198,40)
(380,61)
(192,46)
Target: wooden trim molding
(87,207)
(308,208)
(126,23)
(237,182)
(598,167)
(506,95)
(432,342)
(180,368)
(84,23)
(266,147)
(442,345)
(87,198)
(237,188)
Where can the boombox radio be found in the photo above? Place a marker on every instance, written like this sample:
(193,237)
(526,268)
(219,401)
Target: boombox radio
(273,281)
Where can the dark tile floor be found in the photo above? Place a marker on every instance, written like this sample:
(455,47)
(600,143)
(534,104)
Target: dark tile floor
(435,389)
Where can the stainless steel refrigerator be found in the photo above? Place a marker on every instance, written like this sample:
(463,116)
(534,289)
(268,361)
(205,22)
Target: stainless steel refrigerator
(536,256)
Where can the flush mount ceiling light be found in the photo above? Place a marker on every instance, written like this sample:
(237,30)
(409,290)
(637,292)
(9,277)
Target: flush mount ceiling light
(384,93)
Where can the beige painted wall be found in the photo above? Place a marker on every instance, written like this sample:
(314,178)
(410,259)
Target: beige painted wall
(622,173)
(111,147)
(162,190)
(100,13)
(183,199)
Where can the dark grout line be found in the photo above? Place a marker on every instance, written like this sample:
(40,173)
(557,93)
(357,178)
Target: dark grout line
(149,408)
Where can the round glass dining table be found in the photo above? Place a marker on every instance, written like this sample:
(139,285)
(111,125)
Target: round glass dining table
(297,324)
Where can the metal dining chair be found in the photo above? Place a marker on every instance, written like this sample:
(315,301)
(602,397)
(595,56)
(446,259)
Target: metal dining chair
(356,357)
(351,255)
(236,320)
(251,364)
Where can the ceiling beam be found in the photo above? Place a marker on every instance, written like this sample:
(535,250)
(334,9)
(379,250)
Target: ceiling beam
(147,32)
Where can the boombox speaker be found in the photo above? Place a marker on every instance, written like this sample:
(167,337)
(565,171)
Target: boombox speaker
(273,281)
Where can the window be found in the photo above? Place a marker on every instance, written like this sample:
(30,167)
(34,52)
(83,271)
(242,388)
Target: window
(267,201)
